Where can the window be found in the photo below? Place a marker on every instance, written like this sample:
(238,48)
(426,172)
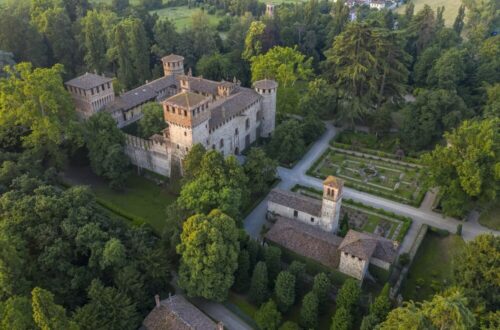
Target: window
(221,143)
(185,113)
(312,219)
(236,131)
(295,213)
(92,91)
(185,134)
(247,123)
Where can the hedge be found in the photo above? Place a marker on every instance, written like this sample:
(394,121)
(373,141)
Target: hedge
(372,152)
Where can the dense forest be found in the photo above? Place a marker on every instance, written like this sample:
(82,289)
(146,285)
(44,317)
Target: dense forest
(430,87)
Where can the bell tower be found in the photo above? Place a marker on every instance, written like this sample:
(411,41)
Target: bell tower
(332,201)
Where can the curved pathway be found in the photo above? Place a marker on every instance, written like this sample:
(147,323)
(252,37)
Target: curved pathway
(297,175)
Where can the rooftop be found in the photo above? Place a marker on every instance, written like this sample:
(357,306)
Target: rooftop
(366,246)
(88,81)
(296,201)
(172,58)
(309,241)
(179,314)
(334,182)
(265,84)
(187,100)
(231,105)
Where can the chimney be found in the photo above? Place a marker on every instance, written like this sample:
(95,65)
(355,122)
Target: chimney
(220,326)
(157,300)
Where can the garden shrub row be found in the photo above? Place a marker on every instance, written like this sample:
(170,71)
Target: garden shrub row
(378,153)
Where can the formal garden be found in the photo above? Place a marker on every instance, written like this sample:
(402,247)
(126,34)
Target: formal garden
(431,270)
(367,219)
(388,178)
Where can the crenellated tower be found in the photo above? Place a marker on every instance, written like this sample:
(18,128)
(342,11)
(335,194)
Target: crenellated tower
(173,65)
(267,88)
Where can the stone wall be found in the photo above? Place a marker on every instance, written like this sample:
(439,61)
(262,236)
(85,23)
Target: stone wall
(288,212)
(148,154)
(353,266)
(380,263)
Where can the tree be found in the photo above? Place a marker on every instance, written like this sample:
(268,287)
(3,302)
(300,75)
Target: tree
(475,269)
(298,269)
(286,144)
(422,29)
(253,40)
(105,144)
(312,129)
(16,313)
(458,24)
(268,317)
(284,64)
(94,42)
(284,289)
(482,18)
(166,37)
(35,105)
(272,257)
(209,255)
(492,106)
(215,67)
(378,310)
(448,71)
(342,319)
(219,183)
(242,276)
(260,170)
(348,295)
(467,168)
(289,325)
(344,225)
(46,313)
(448,310)
(192,162)
(322,287)
(120,5)
(488,68)
(152,121)
(309,311)
(320,99)
(259,284)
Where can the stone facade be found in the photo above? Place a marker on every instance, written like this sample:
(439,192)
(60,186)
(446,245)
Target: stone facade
(353,266)
(223,116)
(90,93)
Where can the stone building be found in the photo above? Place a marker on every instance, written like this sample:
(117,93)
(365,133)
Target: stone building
(90,93)
(177,313)
(224,115)
(307,226)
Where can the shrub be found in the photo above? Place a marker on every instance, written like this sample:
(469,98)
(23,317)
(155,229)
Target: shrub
(289,325)
(404,259)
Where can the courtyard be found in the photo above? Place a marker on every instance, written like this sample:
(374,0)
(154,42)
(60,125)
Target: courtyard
(387,178)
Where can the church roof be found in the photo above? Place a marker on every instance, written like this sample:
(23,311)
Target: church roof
(187,100)
(179,314)
(88,81)
(172,58)
(366,246)
(296,201)
(309,241)
(265,84)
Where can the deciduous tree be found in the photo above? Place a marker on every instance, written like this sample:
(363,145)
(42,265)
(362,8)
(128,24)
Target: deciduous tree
(309,311)
(284,289)
(260,170)
(259,284)
(152,121)
(268,317)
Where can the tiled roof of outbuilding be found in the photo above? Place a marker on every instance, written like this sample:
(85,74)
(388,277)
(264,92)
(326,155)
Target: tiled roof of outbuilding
(366,246)
(309,241)
(179,314)
(296,201)
(88,81)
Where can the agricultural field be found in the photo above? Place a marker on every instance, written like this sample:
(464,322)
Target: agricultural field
(386,178)
(450,11)
(431,270)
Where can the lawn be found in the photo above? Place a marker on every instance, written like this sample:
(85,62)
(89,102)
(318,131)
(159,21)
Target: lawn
(141,198)
(490,217)
(400,182)
(431,270)
(182,16)
(450,12)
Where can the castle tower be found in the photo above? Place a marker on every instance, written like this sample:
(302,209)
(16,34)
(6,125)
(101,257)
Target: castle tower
(267,88)
(270,10)
(173,65)
(332,201)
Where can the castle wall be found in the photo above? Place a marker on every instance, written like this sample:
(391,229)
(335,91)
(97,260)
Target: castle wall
(235,134)
(153,156)
(288,212)
(353,266)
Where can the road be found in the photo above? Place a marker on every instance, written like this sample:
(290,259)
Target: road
(423,215)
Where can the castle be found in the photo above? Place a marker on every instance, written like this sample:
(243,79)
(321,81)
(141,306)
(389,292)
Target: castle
(223,116)
(308,226)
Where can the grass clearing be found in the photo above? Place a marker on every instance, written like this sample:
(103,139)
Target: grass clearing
(182,16)
(431,270)
(450,11)
(490,217)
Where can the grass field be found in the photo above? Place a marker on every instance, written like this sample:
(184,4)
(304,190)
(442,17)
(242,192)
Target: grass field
(450,11)
(182,16)
(431,270)
(490,217)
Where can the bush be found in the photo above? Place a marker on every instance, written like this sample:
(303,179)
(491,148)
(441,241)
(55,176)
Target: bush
(289,325)
(404,259)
